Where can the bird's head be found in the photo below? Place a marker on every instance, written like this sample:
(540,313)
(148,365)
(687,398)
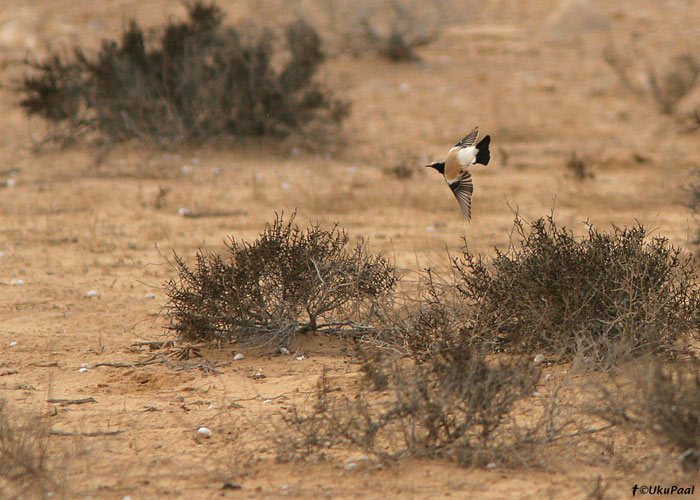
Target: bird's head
(439,166)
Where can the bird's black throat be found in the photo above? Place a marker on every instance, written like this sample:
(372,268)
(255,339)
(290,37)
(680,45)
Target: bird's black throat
(439,166)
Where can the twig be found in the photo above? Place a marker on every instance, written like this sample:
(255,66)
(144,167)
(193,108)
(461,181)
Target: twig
(43,365)
(8,372)
(86,434)
(155,345)
(65,402)
(115,365)
(318,273)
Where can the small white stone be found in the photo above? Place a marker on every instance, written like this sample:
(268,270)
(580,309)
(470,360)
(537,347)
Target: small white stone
(83,370)
(267,401)
(286,185)
(92,293)
(284,351)
(183,211)
(564,372)
(548,376)
(150,295)
(536,394)
(300,358)
(350,465)
(126,498)
(85,365)
(17,282)
(238,356)
(11,182)
(491,465)
(204,431)
(13,343)
(211,407)
(539,358)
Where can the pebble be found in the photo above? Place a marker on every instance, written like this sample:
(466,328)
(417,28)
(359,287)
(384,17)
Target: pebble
(548,376)
(238,356)
(204,431)
(300,358)
(183,211)
(17,282)
(150,295)
(92,293)
(83,370)
(13,343)
(11,182)
(539,358)
(491,465)
(284,351)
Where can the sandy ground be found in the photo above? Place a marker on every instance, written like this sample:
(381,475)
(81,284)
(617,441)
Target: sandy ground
(530,74)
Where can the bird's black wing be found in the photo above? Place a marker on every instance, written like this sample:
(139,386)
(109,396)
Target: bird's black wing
(463,188)
(469,140)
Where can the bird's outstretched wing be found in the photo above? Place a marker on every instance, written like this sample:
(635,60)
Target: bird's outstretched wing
(463,188)
(469,140)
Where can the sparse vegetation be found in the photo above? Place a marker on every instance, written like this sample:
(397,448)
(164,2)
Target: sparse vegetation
(407,30)
(602,296)
(457,405)
(666,86)
(24,456)
(579,167)
(197,80)
(287,281)
(662,401)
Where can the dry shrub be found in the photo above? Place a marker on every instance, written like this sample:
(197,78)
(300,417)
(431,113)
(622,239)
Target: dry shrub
(604,296)
(668,83)
(661,400)
(390,29)
(285,282)
(24,456)
(197,80)
(457,406)
(693,201)
(407,29)
(579,167)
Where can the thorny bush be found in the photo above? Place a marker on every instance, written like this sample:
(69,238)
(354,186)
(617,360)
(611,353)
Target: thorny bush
(196,81)
(604,295)
(287,281)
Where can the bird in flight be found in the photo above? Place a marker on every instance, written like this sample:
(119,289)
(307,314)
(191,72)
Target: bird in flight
(454,167)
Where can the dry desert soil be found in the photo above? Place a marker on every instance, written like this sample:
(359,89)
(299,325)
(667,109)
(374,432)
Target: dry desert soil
(531,74)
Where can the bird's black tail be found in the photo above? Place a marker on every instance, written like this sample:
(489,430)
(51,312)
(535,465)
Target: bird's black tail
(483,155)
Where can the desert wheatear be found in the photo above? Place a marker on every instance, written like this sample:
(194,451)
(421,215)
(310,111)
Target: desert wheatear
(458,160)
